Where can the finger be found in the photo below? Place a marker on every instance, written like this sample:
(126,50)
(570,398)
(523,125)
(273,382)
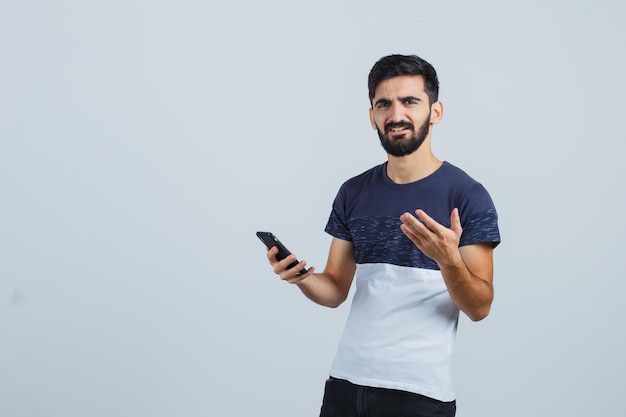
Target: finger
(417,231)
(301,277)
(428,221)
(414,230)
(271,254)
(455,221)
(283,264)
(416,238)
(413,224)
(294,272)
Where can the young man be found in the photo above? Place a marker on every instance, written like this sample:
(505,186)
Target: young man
(418,234)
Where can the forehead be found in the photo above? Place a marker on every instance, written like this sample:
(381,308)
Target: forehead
(401,86)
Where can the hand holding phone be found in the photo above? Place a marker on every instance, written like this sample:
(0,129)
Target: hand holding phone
(270,241)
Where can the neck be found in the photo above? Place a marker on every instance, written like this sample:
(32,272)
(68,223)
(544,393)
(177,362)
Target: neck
(413,167)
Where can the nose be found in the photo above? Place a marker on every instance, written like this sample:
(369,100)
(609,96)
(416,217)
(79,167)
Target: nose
(396,113)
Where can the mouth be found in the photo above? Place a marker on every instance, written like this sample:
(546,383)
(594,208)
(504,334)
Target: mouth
(398,128)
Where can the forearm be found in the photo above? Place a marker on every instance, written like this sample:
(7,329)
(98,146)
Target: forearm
(324,290)
(472,294)
(329,288)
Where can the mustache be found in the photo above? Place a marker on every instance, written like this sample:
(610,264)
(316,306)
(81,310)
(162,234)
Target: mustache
(393,125)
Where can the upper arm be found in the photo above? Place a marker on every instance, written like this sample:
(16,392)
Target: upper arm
(341,265)
(479,260)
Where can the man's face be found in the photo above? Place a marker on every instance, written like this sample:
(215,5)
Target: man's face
(401,114)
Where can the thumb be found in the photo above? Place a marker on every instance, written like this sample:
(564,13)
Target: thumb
(455,222)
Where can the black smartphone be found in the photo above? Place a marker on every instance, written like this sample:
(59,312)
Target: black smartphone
(270,241)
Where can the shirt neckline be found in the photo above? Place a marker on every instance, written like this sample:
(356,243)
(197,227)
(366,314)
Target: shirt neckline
(390,183)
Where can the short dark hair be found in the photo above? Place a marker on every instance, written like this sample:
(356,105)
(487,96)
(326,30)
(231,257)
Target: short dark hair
(396,65)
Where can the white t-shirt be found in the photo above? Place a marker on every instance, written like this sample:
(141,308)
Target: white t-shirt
(402,324)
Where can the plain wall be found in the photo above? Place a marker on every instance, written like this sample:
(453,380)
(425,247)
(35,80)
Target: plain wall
(142,145)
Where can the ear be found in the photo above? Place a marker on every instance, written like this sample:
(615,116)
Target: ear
(436,112)
(372,122)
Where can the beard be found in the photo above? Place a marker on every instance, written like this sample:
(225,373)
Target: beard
(403,146)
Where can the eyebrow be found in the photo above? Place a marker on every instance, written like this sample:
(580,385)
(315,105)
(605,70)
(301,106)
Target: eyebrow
(382,101)
(387,101)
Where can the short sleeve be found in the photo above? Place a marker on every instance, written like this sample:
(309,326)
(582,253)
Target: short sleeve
(337,224)
(479,218)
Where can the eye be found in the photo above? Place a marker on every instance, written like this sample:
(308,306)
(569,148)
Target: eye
(410,100)
(382,104)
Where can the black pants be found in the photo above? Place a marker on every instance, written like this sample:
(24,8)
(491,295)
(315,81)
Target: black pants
(345,399)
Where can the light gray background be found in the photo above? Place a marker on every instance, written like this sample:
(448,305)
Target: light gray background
(143,143)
